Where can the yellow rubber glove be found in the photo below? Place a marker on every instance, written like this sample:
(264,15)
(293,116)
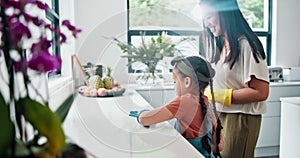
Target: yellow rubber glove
(222,96)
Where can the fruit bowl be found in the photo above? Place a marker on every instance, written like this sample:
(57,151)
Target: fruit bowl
(101,92)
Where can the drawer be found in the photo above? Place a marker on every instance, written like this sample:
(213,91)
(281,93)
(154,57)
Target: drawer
(269,132)
(273,109)
(283,91)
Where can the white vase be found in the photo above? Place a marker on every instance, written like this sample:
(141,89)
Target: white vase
(149,79)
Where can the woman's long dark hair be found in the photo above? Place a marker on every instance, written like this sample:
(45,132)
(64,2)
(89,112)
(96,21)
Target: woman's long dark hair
(203,67)
(233,22)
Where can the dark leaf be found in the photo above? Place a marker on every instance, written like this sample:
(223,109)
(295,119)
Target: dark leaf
(159,39)
(46,122)
(153,40)
(7,132)
(64,108)
(21,150)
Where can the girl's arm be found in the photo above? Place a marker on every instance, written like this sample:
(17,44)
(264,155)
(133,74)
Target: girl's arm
(258,91)
(148,118)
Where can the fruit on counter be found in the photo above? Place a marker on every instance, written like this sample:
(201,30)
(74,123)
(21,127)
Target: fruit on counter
(108,80)
(82,89)
(101,87)
(101,92)
(86,92)
(95,81)
(98,82)
(93,93)
(116,84)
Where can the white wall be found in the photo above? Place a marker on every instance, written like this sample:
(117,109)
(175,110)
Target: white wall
(286,33)
(66,11)
(100,19)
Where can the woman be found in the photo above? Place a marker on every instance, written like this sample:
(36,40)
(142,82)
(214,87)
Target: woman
(241,80)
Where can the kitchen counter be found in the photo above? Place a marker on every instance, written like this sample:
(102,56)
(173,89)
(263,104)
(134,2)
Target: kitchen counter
(168,86)
(285,83)
(291,100)
(103,128)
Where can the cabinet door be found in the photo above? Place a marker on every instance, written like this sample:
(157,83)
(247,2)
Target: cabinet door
(273,109)
(290,129)
(269,132)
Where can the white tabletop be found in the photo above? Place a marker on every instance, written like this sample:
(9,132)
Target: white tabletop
(103,128)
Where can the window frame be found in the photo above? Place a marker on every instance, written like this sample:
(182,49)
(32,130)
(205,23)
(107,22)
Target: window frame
(52,14)
(156,32)
(267,34)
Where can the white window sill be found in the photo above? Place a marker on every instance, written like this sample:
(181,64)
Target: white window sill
(56,83)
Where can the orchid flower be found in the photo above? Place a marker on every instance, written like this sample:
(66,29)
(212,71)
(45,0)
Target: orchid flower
(21,102)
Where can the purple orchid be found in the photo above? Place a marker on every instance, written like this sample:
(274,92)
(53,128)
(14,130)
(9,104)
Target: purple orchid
(41,46)
(41,59)
(72,28)
(42,5)
(20,4)
(44,62)
(35,20)
(18,30)
(29,104)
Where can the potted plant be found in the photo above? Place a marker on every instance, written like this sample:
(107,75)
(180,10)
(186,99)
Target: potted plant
(28,127)
(150,52)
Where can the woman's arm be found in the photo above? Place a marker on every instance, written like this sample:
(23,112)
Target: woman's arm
(148,118)
(258,91)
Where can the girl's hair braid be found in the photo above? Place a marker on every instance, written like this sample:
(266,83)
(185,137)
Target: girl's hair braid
(206,140)
(208,71)
(219,125)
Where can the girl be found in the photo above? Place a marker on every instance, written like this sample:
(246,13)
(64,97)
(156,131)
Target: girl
(196,119)
(241,80)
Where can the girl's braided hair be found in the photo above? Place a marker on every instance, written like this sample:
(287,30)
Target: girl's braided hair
(202,73)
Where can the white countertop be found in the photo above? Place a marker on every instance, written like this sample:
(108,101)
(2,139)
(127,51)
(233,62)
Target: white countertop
(293,100)
(171,85)
(286,83)
(102,127)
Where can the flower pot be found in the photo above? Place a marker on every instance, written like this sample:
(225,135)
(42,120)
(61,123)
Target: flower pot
(148,78)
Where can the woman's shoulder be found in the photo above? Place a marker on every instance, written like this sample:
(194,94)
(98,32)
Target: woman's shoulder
(243,39)
(244,45)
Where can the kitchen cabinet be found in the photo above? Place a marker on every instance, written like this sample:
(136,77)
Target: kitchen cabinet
(290,127)
(269,138)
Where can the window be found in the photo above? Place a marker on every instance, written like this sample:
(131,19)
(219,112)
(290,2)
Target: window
(52,16)
(258,13)
(155,16)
